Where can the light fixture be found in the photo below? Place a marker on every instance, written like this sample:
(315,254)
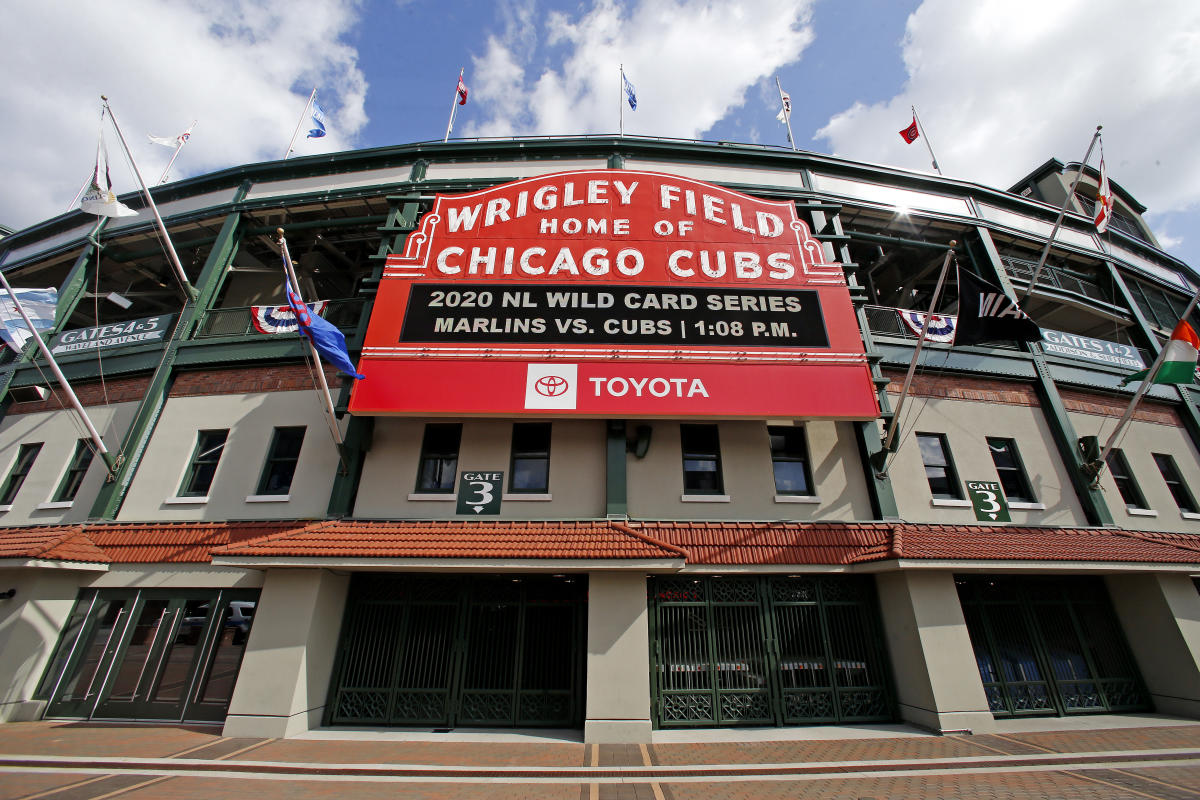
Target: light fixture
(123,302)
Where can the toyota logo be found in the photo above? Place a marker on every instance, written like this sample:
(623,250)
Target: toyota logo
(550,386)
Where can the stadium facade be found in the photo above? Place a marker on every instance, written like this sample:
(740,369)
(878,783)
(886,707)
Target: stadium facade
(617,462)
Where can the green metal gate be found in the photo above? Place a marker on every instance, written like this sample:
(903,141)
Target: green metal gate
(461,651)
(767,651)
(1049,646)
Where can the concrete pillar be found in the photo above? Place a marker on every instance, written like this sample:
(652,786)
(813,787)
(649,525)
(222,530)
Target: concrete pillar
(30,623)
(285,673)
(1160,615)
(936,676)
(618,659)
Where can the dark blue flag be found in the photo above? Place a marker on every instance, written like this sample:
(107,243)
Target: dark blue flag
(629,93)
(328,340)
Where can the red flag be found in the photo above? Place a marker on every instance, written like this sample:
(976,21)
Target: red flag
(910,133)
(462,92)
(1104,200)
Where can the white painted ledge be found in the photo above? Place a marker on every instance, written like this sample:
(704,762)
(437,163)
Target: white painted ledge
(54,505)
(949,502)
(185,501)
(704,498)
(527,496)
(432,497)
(268,498)
(810,499)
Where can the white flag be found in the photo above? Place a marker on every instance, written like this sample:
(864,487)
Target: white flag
(173,141)
(786,111)
(39,304)
(99,198)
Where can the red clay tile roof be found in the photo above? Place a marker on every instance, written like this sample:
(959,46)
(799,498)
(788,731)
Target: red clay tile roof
(177,542)
(52,543)
(774,542)
(1006,543)
(457,539)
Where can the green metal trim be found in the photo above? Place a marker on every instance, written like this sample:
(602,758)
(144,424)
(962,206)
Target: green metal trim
(616,161)
(360,432)
(616,483)
(1066,439)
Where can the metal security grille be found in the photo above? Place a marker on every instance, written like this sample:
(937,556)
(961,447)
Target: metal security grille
(1049,646)
(461,651)
(767,651)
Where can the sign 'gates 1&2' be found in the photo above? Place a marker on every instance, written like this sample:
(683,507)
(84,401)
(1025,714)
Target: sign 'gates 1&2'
(613,293)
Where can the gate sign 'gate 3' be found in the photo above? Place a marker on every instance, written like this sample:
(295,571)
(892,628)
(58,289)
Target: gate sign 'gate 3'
(613,293)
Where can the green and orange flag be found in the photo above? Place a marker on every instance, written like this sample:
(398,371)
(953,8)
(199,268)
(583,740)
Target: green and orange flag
(1179,360)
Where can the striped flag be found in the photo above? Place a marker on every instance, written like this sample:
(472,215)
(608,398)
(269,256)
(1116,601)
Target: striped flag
(1179,360)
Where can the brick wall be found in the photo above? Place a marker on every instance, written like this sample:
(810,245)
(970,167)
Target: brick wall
(960,387)
(244,380)
(1105,406)
(90,393)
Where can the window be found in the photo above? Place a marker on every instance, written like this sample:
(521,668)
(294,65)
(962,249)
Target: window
(1126,485)
(75,472)
(24,463)
(1011,471)
(530,468)
(209,446)
(439,457)
(789,460)
(701,459)
(939,468)
(281,461)
(1179,489)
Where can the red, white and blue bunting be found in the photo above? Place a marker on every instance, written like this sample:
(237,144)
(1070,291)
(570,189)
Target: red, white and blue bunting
(280,319)
(941,328)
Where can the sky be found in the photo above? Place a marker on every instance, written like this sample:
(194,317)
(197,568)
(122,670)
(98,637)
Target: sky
(1000,85)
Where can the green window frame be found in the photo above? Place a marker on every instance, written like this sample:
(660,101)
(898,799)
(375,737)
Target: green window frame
(1131,493)
(701,448)
(1174,480)
(790,463)
(437,469)
(939,466)
(19,471)
(1010,469)
(76,470)
(202,468)
(529,466)
(282,459)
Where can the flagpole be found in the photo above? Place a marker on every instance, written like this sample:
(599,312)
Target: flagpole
(62,380)
(1147,382)
(621,100)
(188,289)
(175,155)
(295,283)
(894,424)
(454,105)
(928,144)
(787,114)
(300,123)
(1061,213)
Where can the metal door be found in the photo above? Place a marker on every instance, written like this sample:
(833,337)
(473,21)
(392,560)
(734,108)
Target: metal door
(1049,646)
(150,654)
(458,651)
(766,651)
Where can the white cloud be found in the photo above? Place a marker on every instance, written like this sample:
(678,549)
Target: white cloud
(1003,85)
(690,61)
(240,68)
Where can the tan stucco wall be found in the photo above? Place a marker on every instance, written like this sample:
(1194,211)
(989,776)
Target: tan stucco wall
(656,481)
(251,420)
(29,627)
(937,679)
(618,658)
(577,459)
(1160,615)
(966,425)
(59,431)
(1140,441)
(285,672)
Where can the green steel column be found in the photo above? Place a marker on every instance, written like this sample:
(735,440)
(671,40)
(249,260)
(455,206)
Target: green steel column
(1061,429)
(1191,418)
(112,494)
(616,494)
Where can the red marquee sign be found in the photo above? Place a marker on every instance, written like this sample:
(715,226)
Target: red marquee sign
(613,293)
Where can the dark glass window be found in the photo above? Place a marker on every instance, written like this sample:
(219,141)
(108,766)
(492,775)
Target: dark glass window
(701,459)
(75,472)
(939,467)
(789,460)
(24,463)
(282,459)
(1126,485)
(439,457)
(1179,490)
(1010,469)
(209,446)
(530,468)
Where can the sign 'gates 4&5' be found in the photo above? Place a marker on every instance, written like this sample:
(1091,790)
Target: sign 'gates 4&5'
(613,293)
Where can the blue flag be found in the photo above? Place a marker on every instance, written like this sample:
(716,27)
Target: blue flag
(328,340)
(629,93)
(318,121)
(39,304)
